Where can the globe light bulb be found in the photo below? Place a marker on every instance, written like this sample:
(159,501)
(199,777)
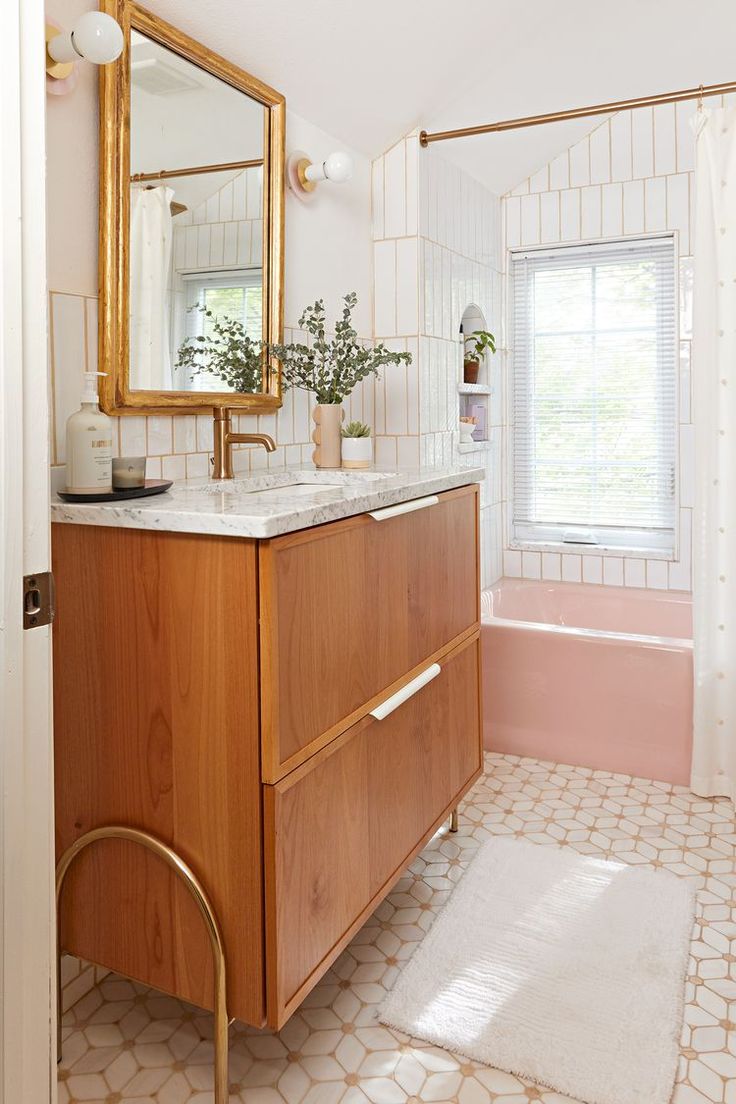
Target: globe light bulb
(97,37)
(339,167)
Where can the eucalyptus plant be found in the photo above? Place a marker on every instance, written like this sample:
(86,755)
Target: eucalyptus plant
(356,429)
(331,369)
(225,351)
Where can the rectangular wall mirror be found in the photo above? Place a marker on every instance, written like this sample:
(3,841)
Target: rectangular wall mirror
(191,225)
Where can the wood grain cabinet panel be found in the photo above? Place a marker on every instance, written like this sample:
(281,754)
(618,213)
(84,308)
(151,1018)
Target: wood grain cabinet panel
(349,608)
(341,829)
(156,727)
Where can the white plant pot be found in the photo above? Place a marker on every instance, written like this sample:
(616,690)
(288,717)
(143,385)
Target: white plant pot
(466,433)
(357,452)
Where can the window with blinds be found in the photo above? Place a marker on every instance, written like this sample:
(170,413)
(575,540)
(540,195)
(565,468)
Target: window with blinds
(594,394)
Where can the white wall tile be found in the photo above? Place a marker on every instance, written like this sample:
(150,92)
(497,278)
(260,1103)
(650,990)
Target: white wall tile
(635,572)
(571,567)
(687,465)
(185,433)
(539,182)
(678,208)
(377,198)
(679,576)
(613,571)
(621,146)
(642,143)
(159,436)
(634,207)
(384,269)
(590,206)
(530,220)
(412,195)
(513,222)
(580,163)
(132,436)
(551,566)
(407,286)
(600,155)
(592,569)
(665,155)
(559,172)
(657,574)
(684,114)
(550,217)
(655,204)
(512,563)
(612,223)
(395,192)
(570,215)
(531,565)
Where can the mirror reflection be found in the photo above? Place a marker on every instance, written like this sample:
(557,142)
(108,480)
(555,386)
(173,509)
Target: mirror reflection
(196,227)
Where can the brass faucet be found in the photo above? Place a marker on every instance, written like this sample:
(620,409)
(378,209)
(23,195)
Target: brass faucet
(225,439)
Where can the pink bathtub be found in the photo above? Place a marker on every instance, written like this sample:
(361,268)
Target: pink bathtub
(593,676)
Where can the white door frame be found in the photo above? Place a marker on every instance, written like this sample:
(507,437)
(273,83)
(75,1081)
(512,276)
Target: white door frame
(27,1016)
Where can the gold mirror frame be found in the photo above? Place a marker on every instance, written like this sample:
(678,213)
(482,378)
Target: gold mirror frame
(116,396)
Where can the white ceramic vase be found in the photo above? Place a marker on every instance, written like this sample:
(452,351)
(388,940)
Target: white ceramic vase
(357,452)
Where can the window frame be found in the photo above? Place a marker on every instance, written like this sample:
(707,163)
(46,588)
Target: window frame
(615,541)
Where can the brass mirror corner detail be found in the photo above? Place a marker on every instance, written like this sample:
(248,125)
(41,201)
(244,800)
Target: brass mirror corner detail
(191,226)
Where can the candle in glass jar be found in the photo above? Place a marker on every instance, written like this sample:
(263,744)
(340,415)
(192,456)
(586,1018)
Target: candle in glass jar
(128,472)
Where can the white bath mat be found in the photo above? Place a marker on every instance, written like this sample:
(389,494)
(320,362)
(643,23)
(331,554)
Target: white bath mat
(555,966)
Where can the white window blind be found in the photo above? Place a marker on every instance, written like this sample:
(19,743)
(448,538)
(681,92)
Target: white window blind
(594,394)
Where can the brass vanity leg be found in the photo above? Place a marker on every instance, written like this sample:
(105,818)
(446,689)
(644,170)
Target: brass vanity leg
(197,891)
(453,820)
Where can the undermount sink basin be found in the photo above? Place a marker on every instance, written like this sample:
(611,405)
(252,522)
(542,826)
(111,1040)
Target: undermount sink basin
(278,484)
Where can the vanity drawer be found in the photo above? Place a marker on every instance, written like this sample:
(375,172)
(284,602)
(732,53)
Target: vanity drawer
(351,609)
(340,830)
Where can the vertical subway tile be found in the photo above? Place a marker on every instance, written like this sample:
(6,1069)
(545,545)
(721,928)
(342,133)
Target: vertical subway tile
(571,567)
(590,203)
(613,571)
(384,268)
(634,207)
(678,208)
(612,221)
(634,572)
(531,565)
(412,193)
(133,436)
(377,197)
(559,172)
(539,182)
(687,465)
(679,575)
(185,433)
(655,204)
(600,154)
(685,382)
(621,146)
(159,436)
(513,222)
(685,138)
(580,163)
(592,569)
(395,192)
(657,574)
(407,288)
(530,220)
(550,217)
(665,157)
(551,566)
(570,215)
(642,143)
(512,563)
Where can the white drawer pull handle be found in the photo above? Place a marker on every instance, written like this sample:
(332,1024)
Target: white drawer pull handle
(403,508)
(381,711)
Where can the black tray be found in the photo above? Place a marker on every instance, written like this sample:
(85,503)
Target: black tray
(152,487)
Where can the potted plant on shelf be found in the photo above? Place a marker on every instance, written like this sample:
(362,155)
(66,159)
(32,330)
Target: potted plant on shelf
(476,348)
(224,350)
(357,446)
(330,369)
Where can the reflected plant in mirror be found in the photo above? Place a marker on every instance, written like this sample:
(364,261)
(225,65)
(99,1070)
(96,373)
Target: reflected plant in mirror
(224,350)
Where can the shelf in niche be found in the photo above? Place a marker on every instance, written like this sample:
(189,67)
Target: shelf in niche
(474,446)
(474,389)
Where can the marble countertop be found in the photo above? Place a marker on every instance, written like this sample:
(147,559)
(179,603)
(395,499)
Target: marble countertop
(267,504)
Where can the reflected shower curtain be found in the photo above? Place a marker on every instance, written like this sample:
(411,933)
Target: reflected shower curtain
(714,398)
(151,233)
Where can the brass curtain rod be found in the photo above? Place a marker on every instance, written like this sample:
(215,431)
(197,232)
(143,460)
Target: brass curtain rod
(196,170)
(580,112)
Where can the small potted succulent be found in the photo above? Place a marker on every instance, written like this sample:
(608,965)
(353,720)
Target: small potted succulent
(330,370)
(476,347)
(357,446)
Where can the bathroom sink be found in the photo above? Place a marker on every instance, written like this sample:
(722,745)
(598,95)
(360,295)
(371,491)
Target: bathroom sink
(294,483)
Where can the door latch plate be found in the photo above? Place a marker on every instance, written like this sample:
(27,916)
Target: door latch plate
(39,604)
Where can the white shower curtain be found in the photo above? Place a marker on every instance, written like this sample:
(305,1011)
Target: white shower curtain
(714,398)
(151,232)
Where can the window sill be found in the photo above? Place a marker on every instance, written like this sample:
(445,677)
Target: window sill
(668,555)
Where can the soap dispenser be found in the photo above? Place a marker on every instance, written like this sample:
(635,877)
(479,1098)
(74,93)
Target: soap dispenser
(89,444)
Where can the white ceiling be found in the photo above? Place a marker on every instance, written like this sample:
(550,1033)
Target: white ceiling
(370,72)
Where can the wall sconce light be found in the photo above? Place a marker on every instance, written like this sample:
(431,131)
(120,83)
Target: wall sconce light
(303,175)
(95,36)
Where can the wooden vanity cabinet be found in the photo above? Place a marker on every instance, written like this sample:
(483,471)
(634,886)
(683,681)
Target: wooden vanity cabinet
(216,692)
